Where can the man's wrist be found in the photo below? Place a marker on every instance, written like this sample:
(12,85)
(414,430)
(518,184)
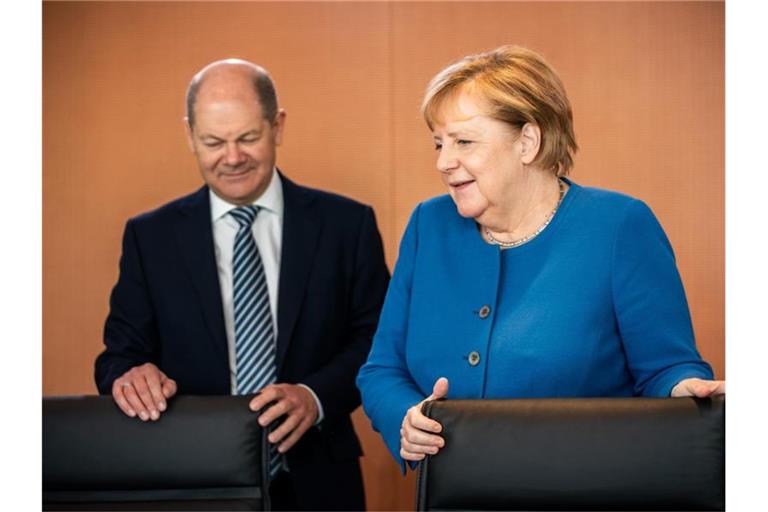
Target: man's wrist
(320,414)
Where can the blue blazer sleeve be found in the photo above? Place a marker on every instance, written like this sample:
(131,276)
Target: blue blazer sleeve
(385,382)
(651,308)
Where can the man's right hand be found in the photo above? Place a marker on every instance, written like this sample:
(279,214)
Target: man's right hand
(142,391)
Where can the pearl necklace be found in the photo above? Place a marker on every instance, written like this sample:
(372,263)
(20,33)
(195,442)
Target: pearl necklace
(521,241)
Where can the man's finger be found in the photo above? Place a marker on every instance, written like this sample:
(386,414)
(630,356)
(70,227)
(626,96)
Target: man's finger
(295,436)
(274,412)
(169,388)
(120,400)
(285,428)
(264,397)
(135,402)
(155,386)
(145,395)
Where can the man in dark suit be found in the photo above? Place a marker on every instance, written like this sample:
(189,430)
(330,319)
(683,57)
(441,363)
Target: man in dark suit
(199,308)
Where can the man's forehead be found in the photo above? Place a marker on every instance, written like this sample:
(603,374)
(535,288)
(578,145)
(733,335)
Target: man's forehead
(228,117)
(229,106)
(227,85)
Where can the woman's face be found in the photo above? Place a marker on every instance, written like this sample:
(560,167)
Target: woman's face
(478,158)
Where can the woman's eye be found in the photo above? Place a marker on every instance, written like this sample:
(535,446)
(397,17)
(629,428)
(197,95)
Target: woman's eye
(463,142)
(438,146)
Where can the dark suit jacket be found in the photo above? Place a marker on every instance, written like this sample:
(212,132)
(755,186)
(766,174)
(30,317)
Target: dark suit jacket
(166,309)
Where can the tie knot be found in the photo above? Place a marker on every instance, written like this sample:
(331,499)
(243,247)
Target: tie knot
(245,215)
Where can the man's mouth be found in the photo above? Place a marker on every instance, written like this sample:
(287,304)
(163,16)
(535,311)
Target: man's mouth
(234,173)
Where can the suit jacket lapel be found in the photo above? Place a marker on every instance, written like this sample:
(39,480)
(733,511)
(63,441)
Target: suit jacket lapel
(301,232)
(194,233)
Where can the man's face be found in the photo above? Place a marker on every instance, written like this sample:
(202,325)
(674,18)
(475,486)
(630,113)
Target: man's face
(234,145)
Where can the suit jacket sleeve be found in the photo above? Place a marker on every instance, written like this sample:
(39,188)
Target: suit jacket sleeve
(387,388)
(334,382)
(130,332)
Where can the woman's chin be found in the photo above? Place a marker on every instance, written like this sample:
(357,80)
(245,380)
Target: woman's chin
(469,210)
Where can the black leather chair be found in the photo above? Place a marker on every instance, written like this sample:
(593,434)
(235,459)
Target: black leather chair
(576,454)
(204,453)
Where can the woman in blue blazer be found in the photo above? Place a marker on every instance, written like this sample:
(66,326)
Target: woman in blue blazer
(520,282)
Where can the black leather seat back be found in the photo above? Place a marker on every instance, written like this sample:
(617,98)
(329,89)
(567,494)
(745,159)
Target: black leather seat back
(576,454)
(203,452)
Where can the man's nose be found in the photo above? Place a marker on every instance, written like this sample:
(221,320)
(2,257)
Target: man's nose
(235,155)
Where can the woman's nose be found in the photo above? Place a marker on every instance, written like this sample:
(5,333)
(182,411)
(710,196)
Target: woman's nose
(446,160)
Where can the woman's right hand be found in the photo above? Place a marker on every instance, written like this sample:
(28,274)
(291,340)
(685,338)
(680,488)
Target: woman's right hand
(418,433)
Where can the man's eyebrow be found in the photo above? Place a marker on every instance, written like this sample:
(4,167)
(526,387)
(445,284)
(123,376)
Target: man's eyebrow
(255,131)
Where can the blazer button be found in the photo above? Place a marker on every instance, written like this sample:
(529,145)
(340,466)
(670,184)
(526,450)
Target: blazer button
(484,311)
(474,358)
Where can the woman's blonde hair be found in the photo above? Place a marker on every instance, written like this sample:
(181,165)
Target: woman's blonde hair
(519,87)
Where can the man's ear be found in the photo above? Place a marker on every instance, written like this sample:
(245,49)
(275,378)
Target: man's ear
(278,126)
(190,135)
(530,140)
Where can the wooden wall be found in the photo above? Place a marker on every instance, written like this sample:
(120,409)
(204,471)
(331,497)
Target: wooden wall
(646,80)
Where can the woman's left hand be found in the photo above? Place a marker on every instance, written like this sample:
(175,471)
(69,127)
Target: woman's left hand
(698,387)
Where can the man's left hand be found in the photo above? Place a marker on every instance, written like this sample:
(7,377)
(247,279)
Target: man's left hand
(294,402)
(698,387)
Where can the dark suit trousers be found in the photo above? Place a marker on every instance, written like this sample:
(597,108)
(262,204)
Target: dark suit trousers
(345,492)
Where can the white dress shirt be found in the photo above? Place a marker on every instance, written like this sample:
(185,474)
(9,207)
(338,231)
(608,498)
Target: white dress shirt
(268,233)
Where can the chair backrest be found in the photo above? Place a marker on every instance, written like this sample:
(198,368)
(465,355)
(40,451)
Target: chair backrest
(576,454)
(204,453)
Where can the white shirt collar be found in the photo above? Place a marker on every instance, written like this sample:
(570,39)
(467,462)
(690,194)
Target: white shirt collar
(271,200)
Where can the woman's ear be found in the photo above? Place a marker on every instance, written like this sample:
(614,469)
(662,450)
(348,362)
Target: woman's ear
(530,140)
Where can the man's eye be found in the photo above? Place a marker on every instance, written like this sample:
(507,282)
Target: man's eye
(438,146)
(248,141)
(213,144)
(463,142)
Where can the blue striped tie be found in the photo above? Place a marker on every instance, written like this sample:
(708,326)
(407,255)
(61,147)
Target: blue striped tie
(254,329)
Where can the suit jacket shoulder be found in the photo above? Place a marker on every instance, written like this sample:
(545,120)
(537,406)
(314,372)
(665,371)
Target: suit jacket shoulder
(344,211)
(168,213)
